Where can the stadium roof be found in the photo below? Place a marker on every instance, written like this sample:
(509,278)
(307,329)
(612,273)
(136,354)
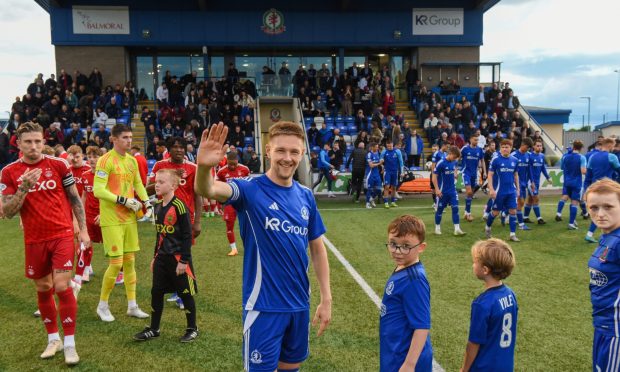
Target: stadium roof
(607,125)
(247,5)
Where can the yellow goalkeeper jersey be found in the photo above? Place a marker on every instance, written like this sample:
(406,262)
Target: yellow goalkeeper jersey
(117,175)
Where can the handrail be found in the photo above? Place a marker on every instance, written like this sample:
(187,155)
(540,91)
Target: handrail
(549,142)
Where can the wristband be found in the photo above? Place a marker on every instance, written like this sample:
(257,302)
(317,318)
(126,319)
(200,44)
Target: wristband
(121,200)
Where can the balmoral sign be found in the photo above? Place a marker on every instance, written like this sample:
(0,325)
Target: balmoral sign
(437,21)
(101,20)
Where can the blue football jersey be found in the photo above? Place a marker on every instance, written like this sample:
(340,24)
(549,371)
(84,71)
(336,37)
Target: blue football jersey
(604,266)
(406,306)
(571,164)
(493,326)
(470,158)
(445,176)
(391,160)
(437,156)
(504,169)
(372,157)
(523,167)
(537,167)
(602,164)
(276,224)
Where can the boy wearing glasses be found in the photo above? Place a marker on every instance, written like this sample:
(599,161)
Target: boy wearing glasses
(404,338)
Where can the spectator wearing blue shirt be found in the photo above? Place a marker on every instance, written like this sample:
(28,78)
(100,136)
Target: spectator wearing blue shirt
(444,178)
(405,317)
(503,172)
(602,164)
(525,176)
(573,165)
(279,224)
(493,324)
(414,147)
(325,168)
(392,161)
(537,167)
(325,135)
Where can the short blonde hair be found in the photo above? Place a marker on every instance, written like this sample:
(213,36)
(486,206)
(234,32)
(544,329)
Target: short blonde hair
(48,150)
(286,128)
(74,149)
(408,225)
(603,186)
(28,127)
(94,150)
(172,173)
(495,254)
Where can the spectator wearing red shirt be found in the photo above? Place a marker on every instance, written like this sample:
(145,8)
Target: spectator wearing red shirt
(456,140)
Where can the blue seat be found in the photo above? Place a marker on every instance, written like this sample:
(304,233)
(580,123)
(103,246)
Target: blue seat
(308,120)
(330,127)
(150,164)
(316,149)
(349,118)
(352,129)
(125,112)
(350,148)
(122,120)
(343,129)
(248,141)
(329,120)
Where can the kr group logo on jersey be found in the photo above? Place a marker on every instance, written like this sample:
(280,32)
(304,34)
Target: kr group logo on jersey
(275,224)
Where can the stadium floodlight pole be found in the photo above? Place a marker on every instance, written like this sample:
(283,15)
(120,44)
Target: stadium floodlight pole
(618,94)
(589,99)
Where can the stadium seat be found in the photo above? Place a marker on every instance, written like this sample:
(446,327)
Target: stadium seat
(346,138)
(319,120)
(343,129)
(122,120)
(316,149)
(248,141)
(339,121)
(329,121)
(110,123)
(150,163)
(308,121)
(352,129)
(330,126)
(125,112)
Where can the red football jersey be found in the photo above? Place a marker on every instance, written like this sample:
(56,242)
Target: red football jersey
(46,213)
(185,191)
(226,173)
(92,203)
(77,176)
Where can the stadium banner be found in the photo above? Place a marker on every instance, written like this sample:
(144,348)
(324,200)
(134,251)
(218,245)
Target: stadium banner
(105,20)
(438,21)
(339,186)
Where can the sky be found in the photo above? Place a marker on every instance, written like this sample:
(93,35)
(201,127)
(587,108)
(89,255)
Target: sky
(552,52)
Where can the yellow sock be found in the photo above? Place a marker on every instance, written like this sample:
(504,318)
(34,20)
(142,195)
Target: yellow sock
(109,278)
(129,270)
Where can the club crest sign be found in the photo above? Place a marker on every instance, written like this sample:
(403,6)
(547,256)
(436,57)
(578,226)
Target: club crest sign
(273,22)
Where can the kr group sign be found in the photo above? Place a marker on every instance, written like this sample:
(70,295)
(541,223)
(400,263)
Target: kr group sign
(437,21)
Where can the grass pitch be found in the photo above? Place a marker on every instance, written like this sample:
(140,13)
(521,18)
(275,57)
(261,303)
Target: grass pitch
(551,282)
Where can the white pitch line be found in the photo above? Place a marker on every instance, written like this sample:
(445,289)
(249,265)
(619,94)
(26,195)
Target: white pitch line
(403,208)
(364,285)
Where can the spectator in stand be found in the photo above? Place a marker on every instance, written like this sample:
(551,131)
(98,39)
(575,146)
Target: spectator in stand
(339,139)
(168,131)
(493,93)
(325,134)
(498,105)
(332,103)
(443,139)
(507,89)
(481,99)
(246,154)
(151,148)
(112,109)
(103,134)
(362,137)
(160,150)
(189,135)
(235,137)
(162,94)
(429,126)
(469,130)
(347,100)
(232,75)
(89,135)
(95,80)
(175,93)
(358,162)
(54,135)
(456,140)
(313,135)
(100,116)
(504,122)
(511,103)
(80,79)
(516,117)
(73,136)
(191,153)
(254,163)
(389,104)
(285,78)
(64,80)
(482,140)
(308,108)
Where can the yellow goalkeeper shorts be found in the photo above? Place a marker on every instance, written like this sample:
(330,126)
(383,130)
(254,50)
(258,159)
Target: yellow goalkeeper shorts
(120,239)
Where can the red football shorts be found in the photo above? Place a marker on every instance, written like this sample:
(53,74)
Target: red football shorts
(230,214)
(42,258)
(94,232)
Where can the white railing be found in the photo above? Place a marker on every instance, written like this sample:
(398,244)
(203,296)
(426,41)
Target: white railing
(551,146)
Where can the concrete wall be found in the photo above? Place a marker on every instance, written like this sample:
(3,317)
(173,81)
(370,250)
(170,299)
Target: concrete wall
(448,54)
(612,130)
(556,132)
(113,62)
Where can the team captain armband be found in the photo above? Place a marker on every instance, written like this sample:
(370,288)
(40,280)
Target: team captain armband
(68,180)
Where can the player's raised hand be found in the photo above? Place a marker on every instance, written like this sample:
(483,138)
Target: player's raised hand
(323,315)
(212,146)
(30,177)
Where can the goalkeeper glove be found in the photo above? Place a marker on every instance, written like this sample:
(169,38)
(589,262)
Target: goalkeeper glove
(149,210)
(130,203)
